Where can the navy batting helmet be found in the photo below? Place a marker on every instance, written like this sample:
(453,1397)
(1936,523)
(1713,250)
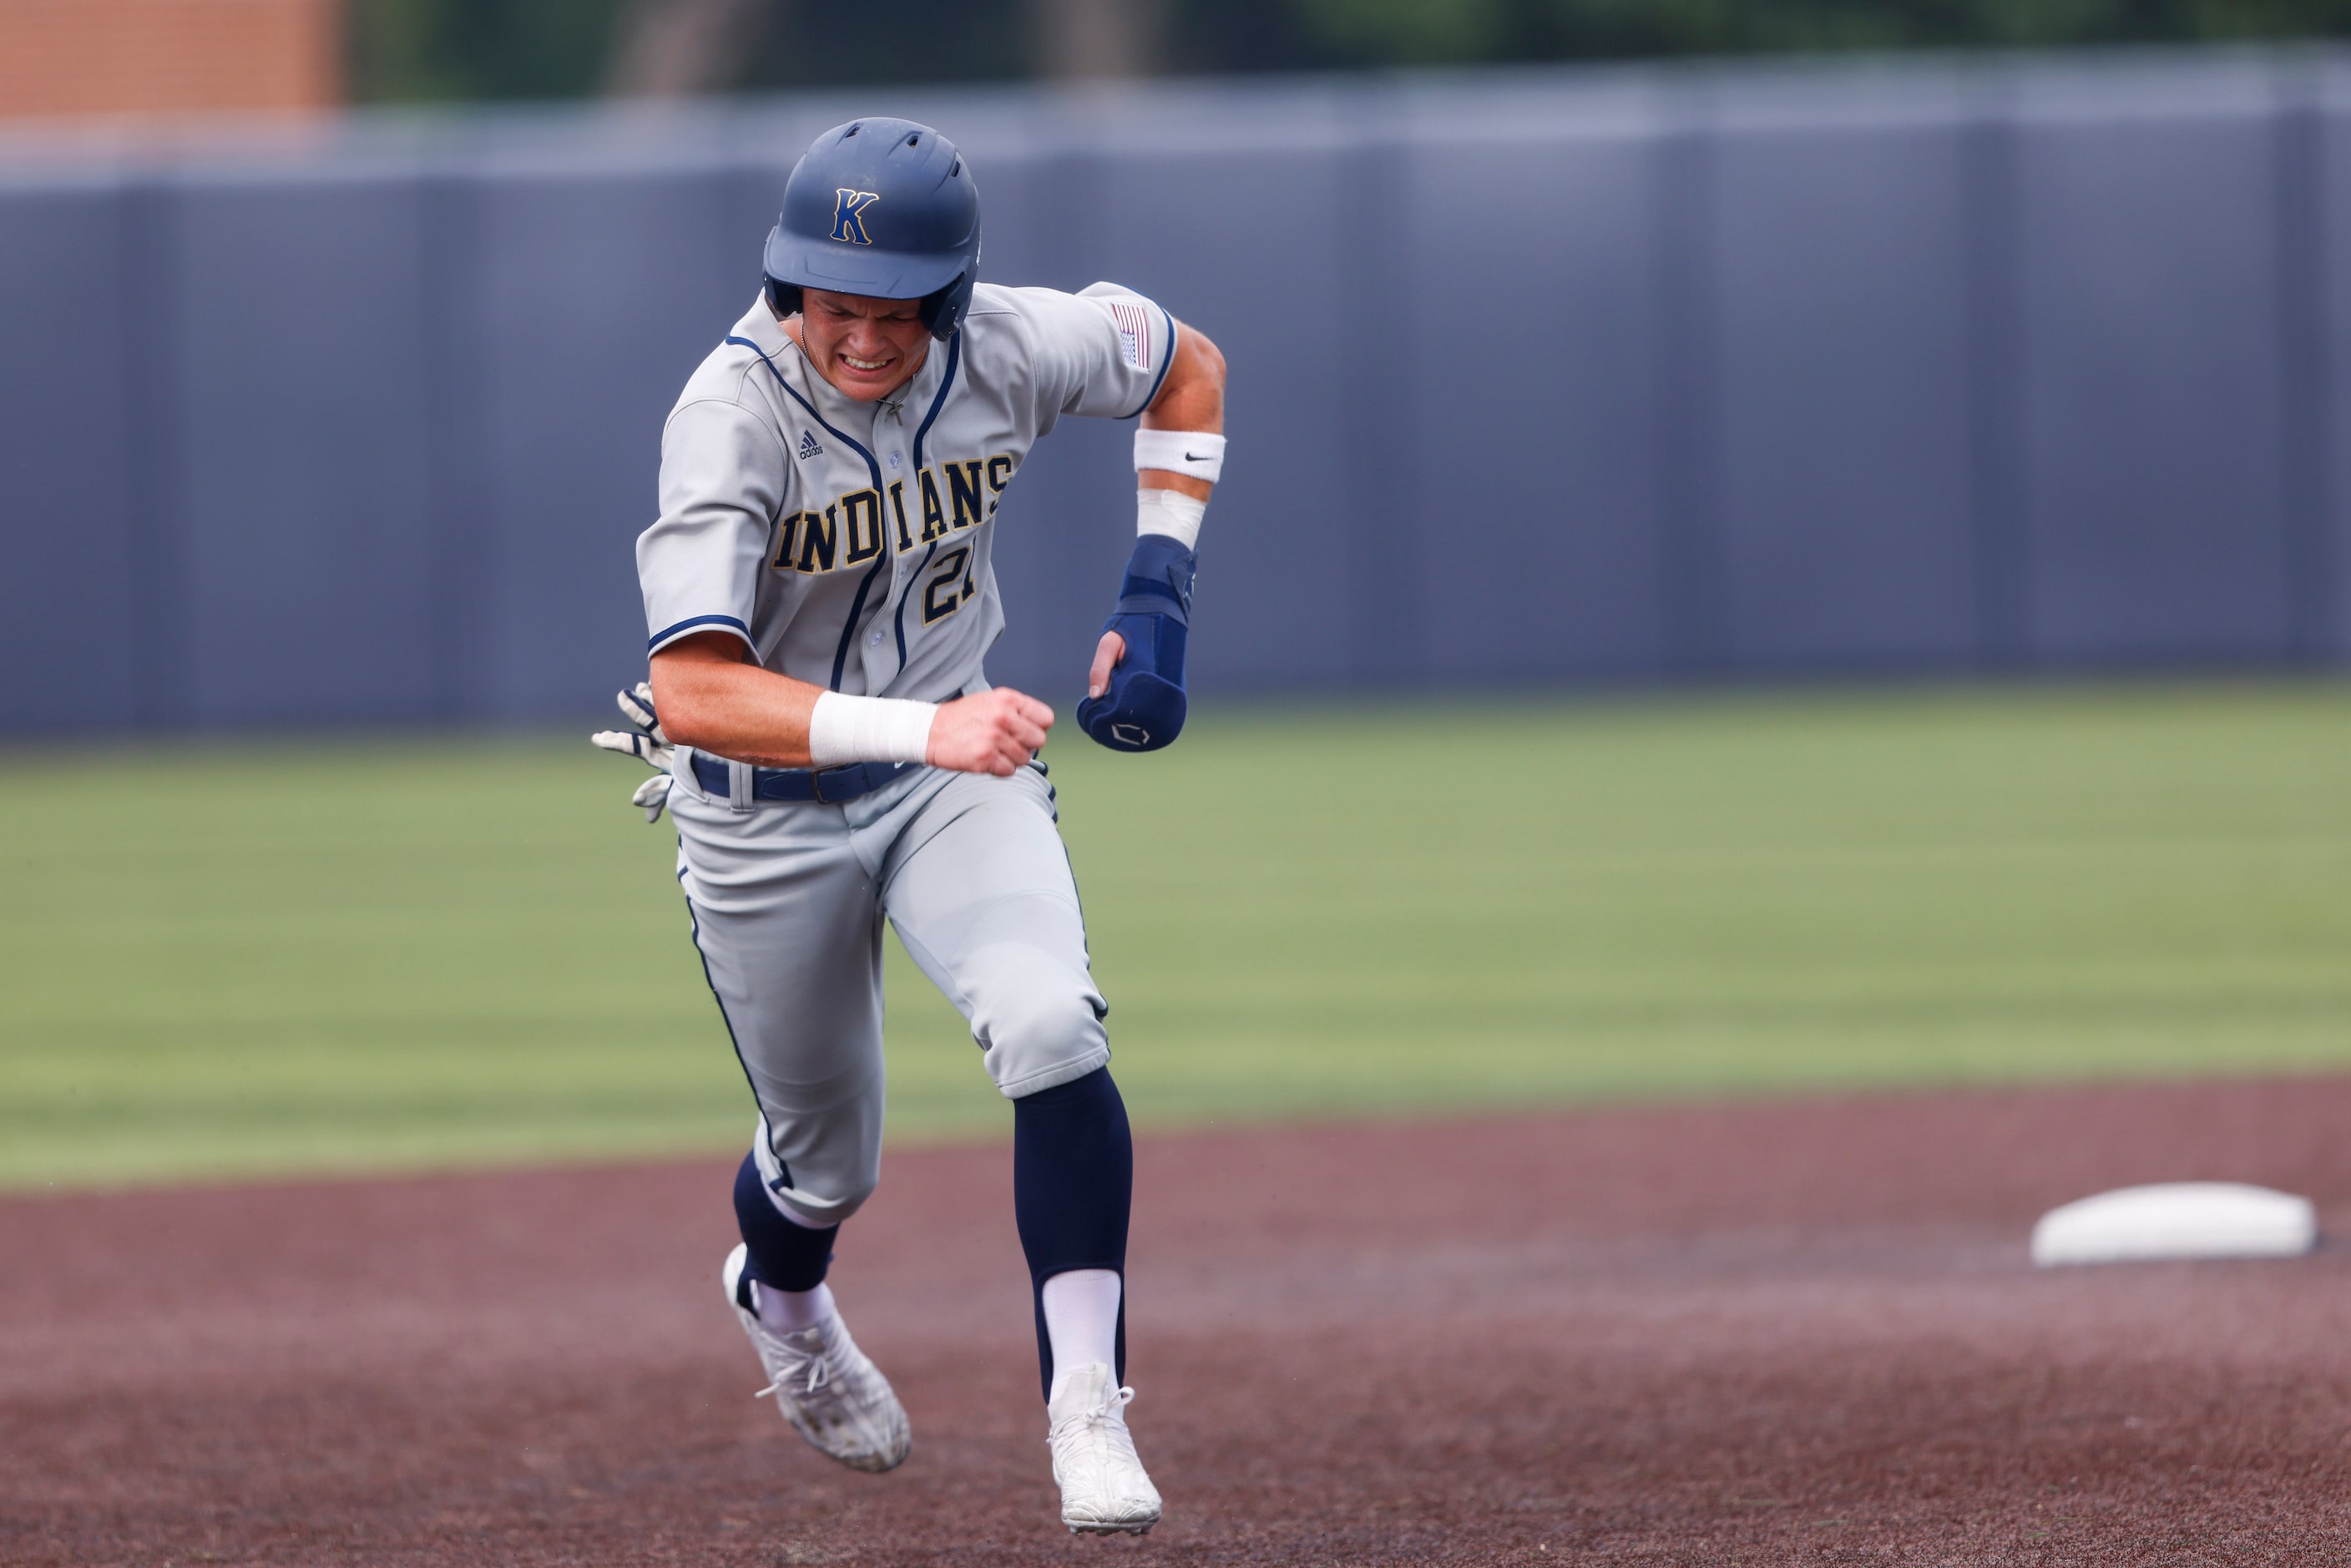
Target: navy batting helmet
(883,208)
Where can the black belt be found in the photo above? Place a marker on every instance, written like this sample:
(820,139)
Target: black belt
(830,785)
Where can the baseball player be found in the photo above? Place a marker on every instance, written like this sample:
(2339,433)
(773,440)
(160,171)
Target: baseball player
(820,600)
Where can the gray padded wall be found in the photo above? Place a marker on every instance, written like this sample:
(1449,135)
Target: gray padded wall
(2148,251)
(298,386)
(1521,464)
(2323,562)
(73,625)
(1539,376)
(1840,303)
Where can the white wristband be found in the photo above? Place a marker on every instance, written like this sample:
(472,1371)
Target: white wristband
(1169,512)
(868,729)
(1194,454)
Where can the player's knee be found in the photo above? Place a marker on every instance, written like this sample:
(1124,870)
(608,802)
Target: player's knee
(1043,1034)
(826,1176)
(835,1182)
(1040,1023)
(817,1202)
(833,1210)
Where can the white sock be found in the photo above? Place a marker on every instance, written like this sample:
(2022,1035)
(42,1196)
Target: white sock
(788,1311)
(1081,1320)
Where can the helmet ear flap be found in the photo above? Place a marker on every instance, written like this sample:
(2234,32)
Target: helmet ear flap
(783,299)
(943,309)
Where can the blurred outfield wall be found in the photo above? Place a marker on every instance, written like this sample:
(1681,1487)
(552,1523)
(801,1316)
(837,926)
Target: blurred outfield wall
(1538,377)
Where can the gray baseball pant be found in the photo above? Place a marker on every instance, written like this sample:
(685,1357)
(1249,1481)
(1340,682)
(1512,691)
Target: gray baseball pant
(787,901)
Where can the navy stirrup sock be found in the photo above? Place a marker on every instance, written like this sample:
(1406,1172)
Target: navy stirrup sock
(784,1256)
(1072,1181)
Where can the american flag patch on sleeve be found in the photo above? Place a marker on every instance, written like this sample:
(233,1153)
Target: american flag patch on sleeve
(1133,333)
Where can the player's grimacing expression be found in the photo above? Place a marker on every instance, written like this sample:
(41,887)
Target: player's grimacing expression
(866,348)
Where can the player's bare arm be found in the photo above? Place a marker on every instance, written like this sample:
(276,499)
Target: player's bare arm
(711,700)
(1192,399)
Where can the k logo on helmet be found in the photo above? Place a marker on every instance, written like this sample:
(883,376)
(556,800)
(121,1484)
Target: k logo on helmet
(848,216)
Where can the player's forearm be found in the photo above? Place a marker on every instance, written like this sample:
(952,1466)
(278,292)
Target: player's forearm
(1134,692)
(1192,399)
(710,700)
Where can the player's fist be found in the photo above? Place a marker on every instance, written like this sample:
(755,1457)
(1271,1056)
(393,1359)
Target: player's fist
(994,731)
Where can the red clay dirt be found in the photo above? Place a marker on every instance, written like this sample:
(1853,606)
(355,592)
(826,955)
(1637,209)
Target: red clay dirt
(1786,1333)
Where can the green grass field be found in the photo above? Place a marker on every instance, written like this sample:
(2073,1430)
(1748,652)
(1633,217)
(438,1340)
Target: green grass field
(279,957)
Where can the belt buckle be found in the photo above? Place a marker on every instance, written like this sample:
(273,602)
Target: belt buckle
(817,777)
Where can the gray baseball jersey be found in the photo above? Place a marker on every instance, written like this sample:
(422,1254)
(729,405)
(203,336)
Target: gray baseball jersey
(848,543)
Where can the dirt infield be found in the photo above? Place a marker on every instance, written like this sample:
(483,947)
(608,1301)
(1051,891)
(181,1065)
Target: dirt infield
(1796,1333)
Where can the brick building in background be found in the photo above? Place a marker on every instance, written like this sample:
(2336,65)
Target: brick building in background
(83,58)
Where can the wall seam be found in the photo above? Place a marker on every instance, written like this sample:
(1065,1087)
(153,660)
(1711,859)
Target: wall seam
(1694,586)
(161,690)
(1380,490)
(1999,506)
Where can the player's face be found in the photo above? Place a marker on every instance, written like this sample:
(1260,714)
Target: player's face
(866,348)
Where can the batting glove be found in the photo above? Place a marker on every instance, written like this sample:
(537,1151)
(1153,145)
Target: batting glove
(645,741)
(1143,708)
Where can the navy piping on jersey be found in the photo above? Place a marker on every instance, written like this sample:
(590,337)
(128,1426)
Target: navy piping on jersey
(908,592)
(856,605)
(856,609)
(955,356)
(1166,363)
(654,643)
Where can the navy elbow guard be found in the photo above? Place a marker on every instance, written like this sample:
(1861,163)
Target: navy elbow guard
(1143,708)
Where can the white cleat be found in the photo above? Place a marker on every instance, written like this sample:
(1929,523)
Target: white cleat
(1103,1489)
(825,1386)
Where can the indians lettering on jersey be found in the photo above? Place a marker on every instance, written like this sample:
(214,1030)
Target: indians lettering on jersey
(854,528)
